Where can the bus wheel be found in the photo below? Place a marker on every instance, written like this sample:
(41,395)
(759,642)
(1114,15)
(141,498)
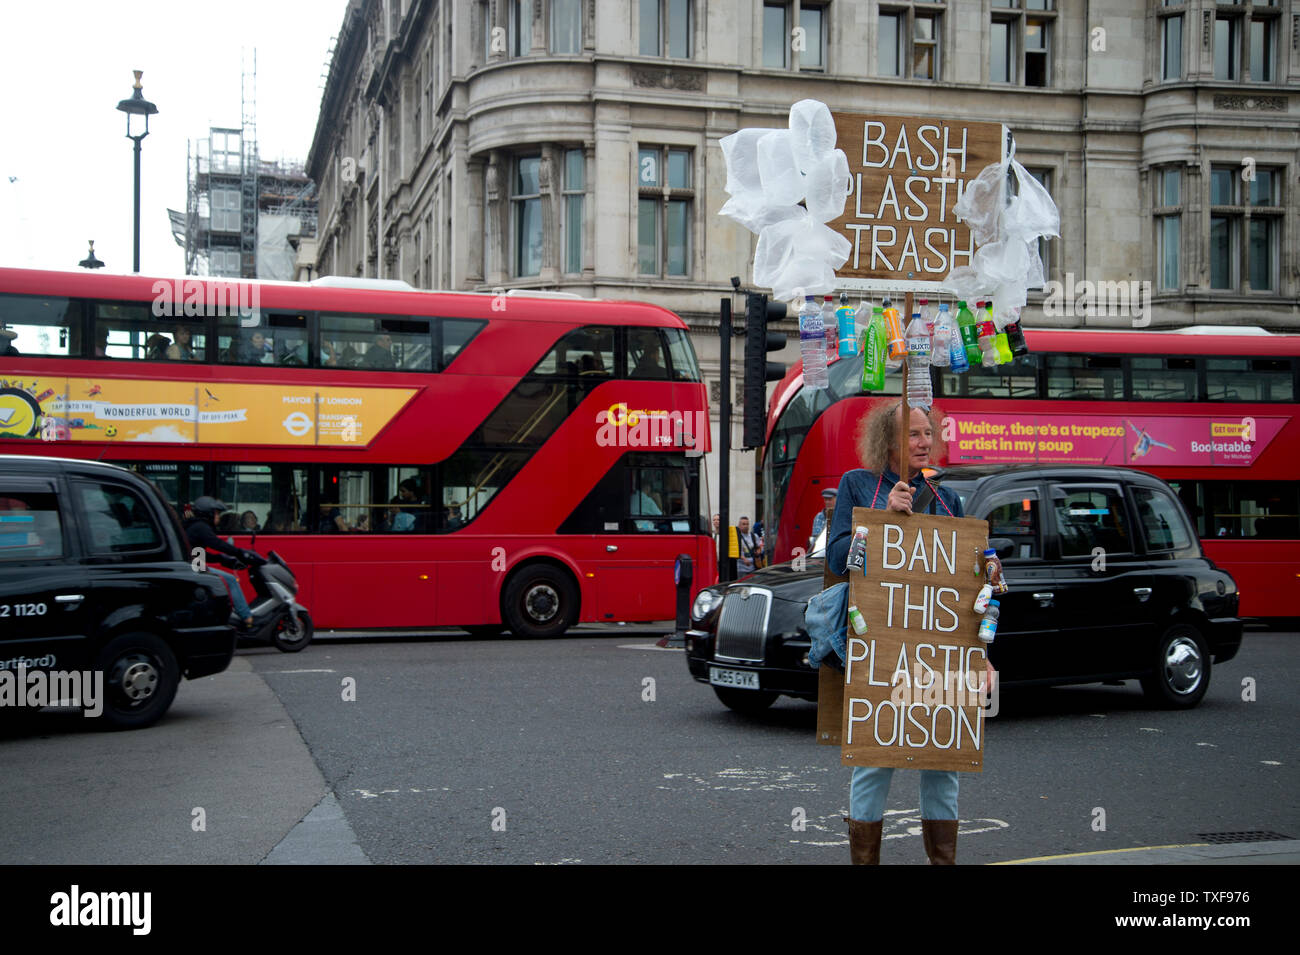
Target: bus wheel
(540,601)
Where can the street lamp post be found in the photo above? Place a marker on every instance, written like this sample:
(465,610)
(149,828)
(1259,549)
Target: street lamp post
(138,110)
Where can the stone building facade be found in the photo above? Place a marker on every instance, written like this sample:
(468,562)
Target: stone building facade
(573,144)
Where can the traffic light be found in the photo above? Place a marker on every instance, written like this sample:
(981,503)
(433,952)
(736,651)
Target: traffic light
(758,370)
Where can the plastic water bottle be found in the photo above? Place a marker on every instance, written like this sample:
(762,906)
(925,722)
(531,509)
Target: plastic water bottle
(857,621)
(989,623)
(858,549)
(941,339)
(832,328)
(846,321)
(966,325)
(983,598)
(927,316)
(920,393)
(873,352)
(812,344)
(957,352)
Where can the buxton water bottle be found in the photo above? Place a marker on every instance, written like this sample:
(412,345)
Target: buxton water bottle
(812,344)
(920,394)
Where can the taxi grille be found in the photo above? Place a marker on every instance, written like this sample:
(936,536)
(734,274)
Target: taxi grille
(742,624)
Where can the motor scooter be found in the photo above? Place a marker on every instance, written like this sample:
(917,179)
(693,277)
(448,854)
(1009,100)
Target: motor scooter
(278,618)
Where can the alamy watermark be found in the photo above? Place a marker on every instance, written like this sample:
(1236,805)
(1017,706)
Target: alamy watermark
(1088,299)
(20,687)
(200,298)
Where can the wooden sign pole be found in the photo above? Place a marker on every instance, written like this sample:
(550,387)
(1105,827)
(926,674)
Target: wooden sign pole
(905,424)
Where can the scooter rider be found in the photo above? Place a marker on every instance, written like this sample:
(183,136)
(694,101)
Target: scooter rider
(201,531)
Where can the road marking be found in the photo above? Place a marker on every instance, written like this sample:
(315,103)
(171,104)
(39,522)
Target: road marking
(1215,745)
(1270,762)
(898,824)
(648,646)
(1102,852)
(1149,729)
(302,671)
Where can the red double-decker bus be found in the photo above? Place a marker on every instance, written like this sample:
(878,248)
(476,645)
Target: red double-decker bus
(1215,415)
(419,458)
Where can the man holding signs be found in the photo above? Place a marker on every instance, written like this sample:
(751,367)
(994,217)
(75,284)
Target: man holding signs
(913,648)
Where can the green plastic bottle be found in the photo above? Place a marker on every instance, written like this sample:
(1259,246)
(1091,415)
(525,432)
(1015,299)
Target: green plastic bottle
(873,352)
(969,338)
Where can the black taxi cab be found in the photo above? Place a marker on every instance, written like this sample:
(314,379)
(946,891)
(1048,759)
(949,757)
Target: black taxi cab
(1107,583)
(96,576)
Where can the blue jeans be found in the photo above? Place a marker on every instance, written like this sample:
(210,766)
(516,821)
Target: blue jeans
(870,788)
(237,599)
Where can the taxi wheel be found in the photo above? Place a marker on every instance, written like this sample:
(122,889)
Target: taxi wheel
(1182,672)
(747,702)
(140,680)
(289,638)
(540,601)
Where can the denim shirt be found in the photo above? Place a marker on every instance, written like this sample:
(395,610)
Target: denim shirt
(862,488)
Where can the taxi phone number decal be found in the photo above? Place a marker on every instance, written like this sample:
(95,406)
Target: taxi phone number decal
(23,610)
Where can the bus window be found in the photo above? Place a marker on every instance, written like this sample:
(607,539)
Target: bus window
(135,331)
(376,344)
(1164,379)
(1018,379)
(472,477)
(1085,377)
(266,499)
(1249,379)
(645,354)
(40,325)
(643,493)
(685,367)
(346,501)
(455,334)
(582,353)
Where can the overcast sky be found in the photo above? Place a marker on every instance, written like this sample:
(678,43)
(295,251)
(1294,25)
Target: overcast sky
(65,65)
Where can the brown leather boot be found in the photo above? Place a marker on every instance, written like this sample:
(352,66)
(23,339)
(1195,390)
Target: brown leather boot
(940,837)
(864,841)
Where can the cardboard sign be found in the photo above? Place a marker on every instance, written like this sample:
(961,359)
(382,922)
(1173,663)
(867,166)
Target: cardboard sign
(912,681)
(907,173)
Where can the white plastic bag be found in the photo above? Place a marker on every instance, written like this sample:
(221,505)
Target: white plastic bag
(769,173)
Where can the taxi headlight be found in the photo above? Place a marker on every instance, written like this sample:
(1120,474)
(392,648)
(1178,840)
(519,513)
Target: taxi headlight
(705,604)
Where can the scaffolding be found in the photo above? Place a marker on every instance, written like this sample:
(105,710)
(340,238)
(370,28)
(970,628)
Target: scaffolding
(243,216)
